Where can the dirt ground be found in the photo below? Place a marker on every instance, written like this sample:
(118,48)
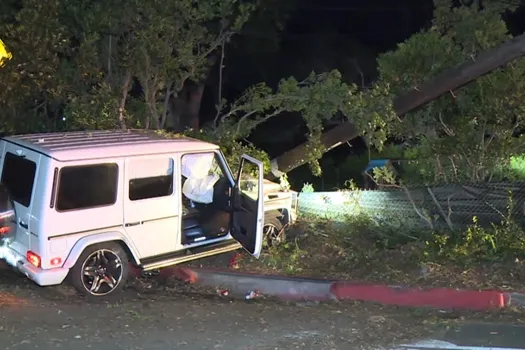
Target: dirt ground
(168,314)
(172,315)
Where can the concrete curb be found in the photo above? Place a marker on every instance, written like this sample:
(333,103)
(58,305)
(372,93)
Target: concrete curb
(276,286)
(291,288)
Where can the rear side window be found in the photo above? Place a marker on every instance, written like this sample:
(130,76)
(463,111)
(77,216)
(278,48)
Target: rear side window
(18,176)
(87,186)
(150,178)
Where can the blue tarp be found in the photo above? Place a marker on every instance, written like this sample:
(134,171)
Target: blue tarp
(376,163)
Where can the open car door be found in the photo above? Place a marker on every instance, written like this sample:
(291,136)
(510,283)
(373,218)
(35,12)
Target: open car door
(248,205)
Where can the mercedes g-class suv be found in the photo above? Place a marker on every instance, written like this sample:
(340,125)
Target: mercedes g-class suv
(84,205)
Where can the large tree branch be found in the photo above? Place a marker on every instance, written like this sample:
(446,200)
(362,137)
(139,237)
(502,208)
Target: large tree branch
(416,97)
(122,107)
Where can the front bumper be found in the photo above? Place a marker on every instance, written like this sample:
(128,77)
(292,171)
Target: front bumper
(47,277)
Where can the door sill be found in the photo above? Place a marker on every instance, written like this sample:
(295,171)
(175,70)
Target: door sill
(203,251)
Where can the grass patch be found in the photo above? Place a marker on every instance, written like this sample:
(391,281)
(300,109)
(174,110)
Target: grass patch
(362,250)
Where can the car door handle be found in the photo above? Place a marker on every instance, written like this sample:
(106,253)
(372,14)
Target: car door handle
(132,224)
(23,224)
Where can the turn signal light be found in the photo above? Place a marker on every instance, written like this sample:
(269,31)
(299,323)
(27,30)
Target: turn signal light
(33,258)
(4,230)
(55,261)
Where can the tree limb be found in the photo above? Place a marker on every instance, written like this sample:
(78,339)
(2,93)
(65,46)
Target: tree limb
(166,103)
(219,93)
(122,106)
(447,81)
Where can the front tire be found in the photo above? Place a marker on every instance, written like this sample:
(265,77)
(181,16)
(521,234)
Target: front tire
(101,270)
(273,231)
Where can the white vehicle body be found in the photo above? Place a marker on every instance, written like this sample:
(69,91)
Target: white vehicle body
(280,209)
(82,198)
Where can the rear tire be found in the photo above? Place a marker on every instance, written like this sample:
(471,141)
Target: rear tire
(101,270)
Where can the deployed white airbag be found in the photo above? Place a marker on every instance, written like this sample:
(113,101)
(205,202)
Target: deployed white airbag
(199,183)
(200,190)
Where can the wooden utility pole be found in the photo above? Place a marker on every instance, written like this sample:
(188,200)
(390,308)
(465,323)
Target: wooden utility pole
(416,97)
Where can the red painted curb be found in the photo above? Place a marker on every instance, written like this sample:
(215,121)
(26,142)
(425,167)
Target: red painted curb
(439,297)
(186,275)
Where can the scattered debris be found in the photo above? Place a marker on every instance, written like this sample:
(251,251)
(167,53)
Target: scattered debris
(150,273)
(223,292)
(234,261)
(252,295)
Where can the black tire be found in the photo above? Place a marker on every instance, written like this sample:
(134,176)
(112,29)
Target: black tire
(106,264)
(273,231)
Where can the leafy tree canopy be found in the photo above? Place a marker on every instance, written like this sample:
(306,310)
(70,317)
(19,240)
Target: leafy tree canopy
(78,60)
(468,134)
(90,64)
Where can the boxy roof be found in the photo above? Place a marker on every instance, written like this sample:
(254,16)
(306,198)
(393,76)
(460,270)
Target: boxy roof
(83,145)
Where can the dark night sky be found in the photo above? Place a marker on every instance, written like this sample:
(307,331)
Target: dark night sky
(379,24)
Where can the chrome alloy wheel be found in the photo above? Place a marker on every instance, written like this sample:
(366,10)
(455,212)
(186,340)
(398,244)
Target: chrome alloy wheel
(102,272)
(273,232)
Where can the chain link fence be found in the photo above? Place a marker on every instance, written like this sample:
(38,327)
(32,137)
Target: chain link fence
(439,207)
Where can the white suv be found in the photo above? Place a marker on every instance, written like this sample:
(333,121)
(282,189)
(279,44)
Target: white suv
(84,204)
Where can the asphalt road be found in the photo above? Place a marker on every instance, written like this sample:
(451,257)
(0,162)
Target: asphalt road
(170,315)
(474,336)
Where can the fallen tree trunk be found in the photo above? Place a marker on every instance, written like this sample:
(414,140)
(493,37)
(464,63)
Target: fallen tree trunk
(416,97)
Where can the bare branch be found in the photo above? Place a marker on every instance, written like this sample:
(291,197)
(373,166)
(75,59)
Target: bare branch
(166,103)
(446,128)
(110,50)
(409,196)
(441,211)
(358,69)
(219,93)
(276,112)
(122,107)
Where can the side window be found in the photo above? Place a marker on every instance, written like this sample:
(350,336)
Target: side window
(248,180)
(150,178)
(18,176)
(87,186)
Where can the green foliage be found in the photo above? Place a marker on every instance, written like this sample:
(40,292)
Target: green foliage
(327,248)
(469,134)
(504,242)
(390,251)
(231,148)
(79,60)
(79,65)
(307,188)
(517,167)
(283,182)
(286,257)
(318,98)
